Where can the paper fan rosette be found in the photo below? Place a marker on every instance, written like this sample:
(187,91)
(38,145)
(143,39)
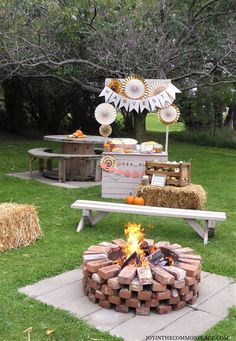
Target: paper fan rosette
(169,115)
(105,130)
(105,113)
(115,85)
(135,87)
(158,87)
(107,163)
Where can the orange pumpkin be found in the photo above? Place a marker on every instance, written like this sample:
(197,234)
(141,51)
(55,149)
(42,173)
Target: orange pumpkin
(79,132)
(138,201)
(129,199)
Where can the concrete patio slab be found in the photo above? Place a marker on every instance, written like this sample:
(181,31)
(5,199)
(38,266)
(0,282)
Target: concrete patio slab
(217,294)
(39,177)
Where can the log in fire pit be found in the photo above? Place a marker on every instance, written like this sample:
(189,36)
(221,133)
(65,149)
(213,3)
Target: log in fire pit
(141,274)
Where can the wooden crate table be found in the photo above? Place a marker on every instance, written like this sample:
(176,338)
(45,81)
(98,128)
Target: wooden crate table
(187,197)
(128,172)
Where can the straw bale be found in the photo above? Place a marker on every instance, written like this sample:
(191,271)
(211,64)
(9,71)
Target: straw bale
(188,197)
(19,226)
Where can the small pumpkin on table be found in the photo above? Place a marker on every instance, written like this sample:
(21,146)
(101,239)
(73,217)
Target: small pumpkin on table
(77,134)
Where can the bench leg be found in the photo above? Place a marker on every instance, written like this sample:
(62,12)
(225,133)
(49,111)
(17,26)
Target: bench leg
(205,235)
(202,232)
(211,228)
(30,165)
(62,170)
(98,171)
(41,165)
(49,165)
(85,218)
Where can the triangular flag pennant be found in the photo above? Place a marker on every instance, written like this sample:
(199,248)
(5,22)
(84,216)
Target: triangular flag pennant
(107,92)
(124,103)
(114,98)
(154,101)
(144,105)
(134,105)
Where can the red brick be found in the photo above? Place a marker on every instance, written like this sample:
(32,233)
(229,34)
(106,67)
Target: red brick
(125,293)
(97,264)
(97,278)
(165,295)
(193,299)
(98,248)
(113,283)
(93,284)
(162,243)
(162,276)
(143,311)
(188,296)
(92,298)
(153,302)
(144,295)
(190,261)
(135,285)
(105,304)
(194,257)
(99,295)
(86,273)
(184,291)
(107,290)
(156,286)
(179,284)
(144,275)
(109,271)
(122,308)
(114,299)
(191,270)
(179,305)
(190,281)
(163,309)
(178,273)
(127,274)
(119,242)
(184,250)
(133,302)
(174,300)
(174,246)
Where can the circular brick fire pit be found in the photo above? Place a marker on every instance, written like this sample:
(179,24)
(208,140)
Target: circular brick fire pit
(164,277)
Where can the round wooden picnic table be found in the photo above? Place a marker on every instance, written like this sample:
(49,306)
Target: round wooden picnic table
(78,169)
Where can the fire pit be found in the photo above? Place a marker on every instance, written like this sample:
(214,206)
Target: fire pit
(141,274)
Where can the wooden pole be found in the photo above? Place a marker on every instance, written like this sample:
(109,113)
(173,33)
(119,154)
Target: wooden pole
(167,139)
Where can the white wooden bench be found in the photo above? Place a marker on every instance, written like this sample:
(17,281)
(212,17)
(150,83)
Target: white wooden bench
(191,216)
(46,154)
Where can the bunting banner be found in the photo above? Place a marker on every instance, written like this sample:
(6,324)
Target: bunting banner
(161,100)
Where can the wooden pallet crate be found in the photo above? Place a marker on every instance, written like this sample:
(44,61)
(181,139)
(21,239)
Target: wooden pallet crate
(177,174)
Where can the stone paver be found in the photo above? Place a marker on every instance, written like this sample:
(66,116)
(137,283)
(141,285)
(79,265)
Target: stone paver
(39,177)
(217,294)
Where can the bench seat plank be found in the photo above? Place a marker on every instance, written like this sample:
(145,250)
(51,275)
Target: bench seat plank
(190,216)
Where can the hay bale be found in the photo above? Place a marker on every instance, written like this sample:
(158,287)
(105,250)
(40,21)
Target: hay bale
(189,197)
(19,226)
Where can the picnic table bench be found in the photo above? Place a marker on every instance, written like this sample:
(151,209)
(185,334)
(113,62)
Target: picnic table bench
(46,154)
(191,216)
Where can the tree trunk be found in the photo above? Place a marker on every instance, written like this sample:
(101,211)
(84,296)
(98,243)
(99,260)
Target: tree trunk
(140,125)
(14,104)
(229,120)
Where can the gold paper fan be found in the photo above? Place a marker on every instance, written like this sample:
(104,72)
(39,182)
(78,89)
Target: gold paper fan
(105,130)
(169,115)
(105,113)
(158,87)
(115,85)
(135,87)
(107,162)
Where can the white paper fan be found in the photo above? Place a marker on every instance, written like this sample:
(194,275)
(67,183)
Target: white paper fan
(169,115)
(135,87)
(105,113)
(158,87)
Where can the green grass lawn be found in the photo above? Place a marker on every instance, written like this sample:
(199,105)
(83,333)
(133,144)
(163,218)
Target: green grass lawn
(61,247)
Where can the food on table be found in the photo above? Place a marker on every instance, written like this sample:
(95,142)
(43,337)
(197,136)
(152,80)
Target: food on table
(78,134)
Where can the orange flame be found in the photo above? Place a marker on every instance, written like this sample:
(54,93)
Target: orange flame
(135,236)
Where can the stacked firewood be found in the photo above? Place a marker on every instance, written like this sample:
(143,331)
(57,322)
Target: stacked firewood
(161,288)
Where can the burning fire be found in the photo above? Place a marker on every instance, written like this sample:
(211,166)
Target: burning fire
(135,244)
(138,252)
